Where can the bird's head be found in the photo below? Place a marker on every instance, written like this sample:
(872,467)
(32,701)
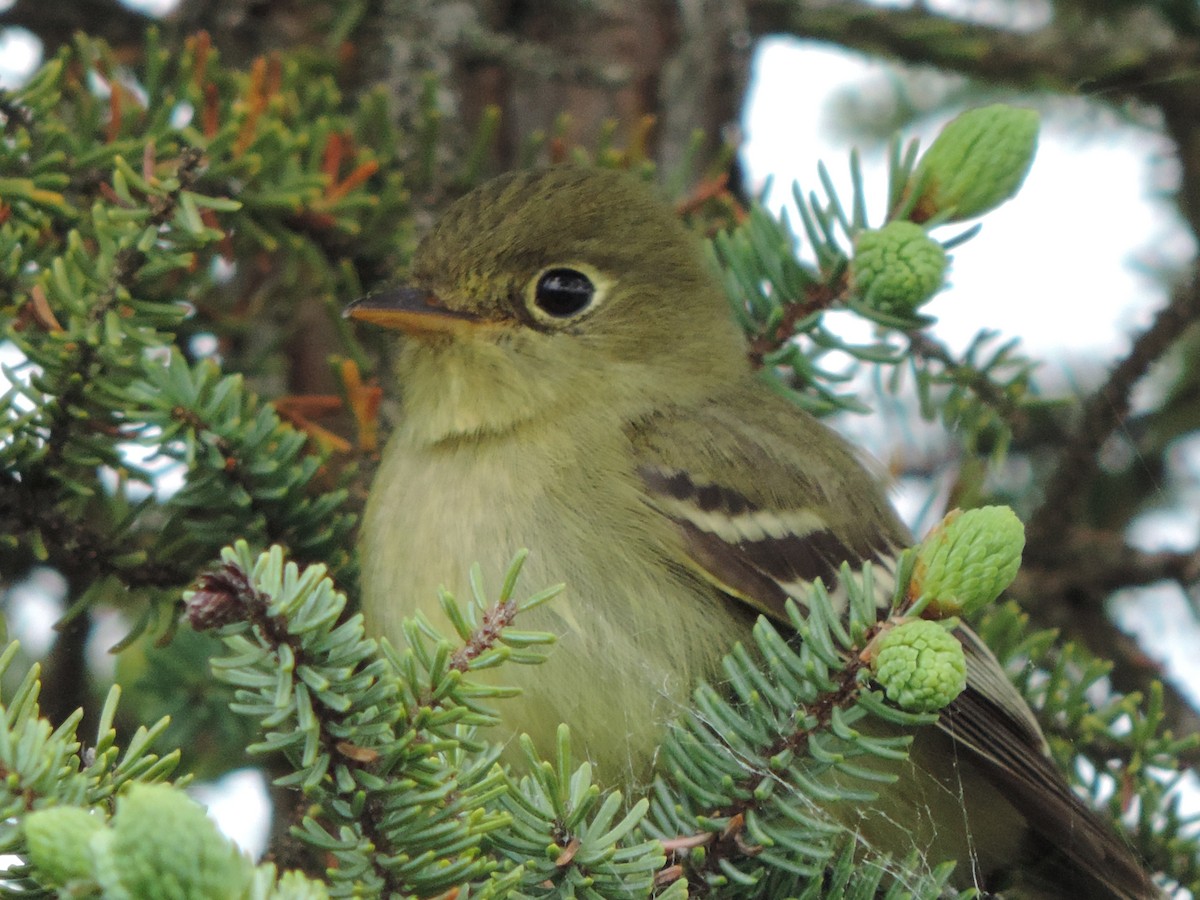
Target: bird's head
(561,289)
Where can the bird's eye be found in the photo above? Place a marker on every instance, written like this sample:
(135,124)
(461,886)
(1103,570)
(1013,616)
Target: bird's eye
(563,293)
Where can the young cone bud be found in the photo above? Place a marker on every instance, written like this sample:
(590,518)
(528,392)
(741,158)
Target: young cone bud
(920,665)
(976,163)
(295,886)
(967,560)
(163,845)
(58,840)
(897,268)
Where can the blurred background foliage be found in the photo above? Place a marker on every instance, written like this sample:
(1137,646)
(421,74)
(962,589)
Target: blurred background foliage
(189,197)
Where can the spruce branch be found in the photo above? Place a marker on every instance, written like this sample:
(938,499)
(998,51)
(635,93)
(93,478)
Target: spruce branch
(1113,746)
(381,742)
(1092,565)
(112,221)
(565,833)
(752,783)
(73,407)
(414,803)
(277,670)
(246,469)
(994,394)
(44,767)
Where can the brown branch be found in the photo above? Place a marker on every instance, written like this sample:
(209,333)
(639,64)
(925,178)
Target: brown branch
(1103,413)
(65,680)
(1100,562)
(1069,570)
(1133,55)
(486,636)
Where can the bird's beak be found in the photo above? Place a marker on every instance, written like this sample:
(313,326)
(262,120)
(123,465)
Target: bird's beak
(412,310)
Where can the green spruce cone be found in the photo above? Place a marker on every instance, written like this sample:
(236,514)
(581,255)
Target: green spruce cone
(920,665)
(897,268)
(58,840)
(106,867)
(163,846)
(967,560)
(978,161)
(296,886)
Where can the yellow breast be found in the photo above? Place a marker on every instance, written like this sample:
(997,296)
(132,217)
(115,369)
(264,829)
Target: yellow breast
(630,642)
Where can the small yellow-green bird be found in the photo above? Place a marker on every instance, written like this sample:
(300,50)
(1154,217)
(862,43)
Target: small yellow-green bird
(572,381)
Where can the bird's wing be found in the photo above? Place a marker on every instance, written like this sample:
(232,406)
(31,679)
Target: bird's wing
(765,499)
(786,508)
(1016,760)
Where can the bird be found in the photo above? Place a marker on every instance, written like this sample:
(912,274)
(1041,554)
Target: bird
(571,379)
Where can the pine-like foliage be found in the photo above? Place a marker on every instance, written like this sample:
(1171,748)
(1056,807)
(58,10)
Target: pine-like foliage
(52,766)
(168,236)
(152,226)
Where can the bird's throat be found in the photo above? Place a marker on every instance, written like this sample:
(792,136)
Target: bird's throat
(461,389)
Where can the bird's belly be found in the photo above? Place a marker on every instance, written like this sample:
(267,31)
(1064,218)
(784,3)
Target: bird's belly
(630,644)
